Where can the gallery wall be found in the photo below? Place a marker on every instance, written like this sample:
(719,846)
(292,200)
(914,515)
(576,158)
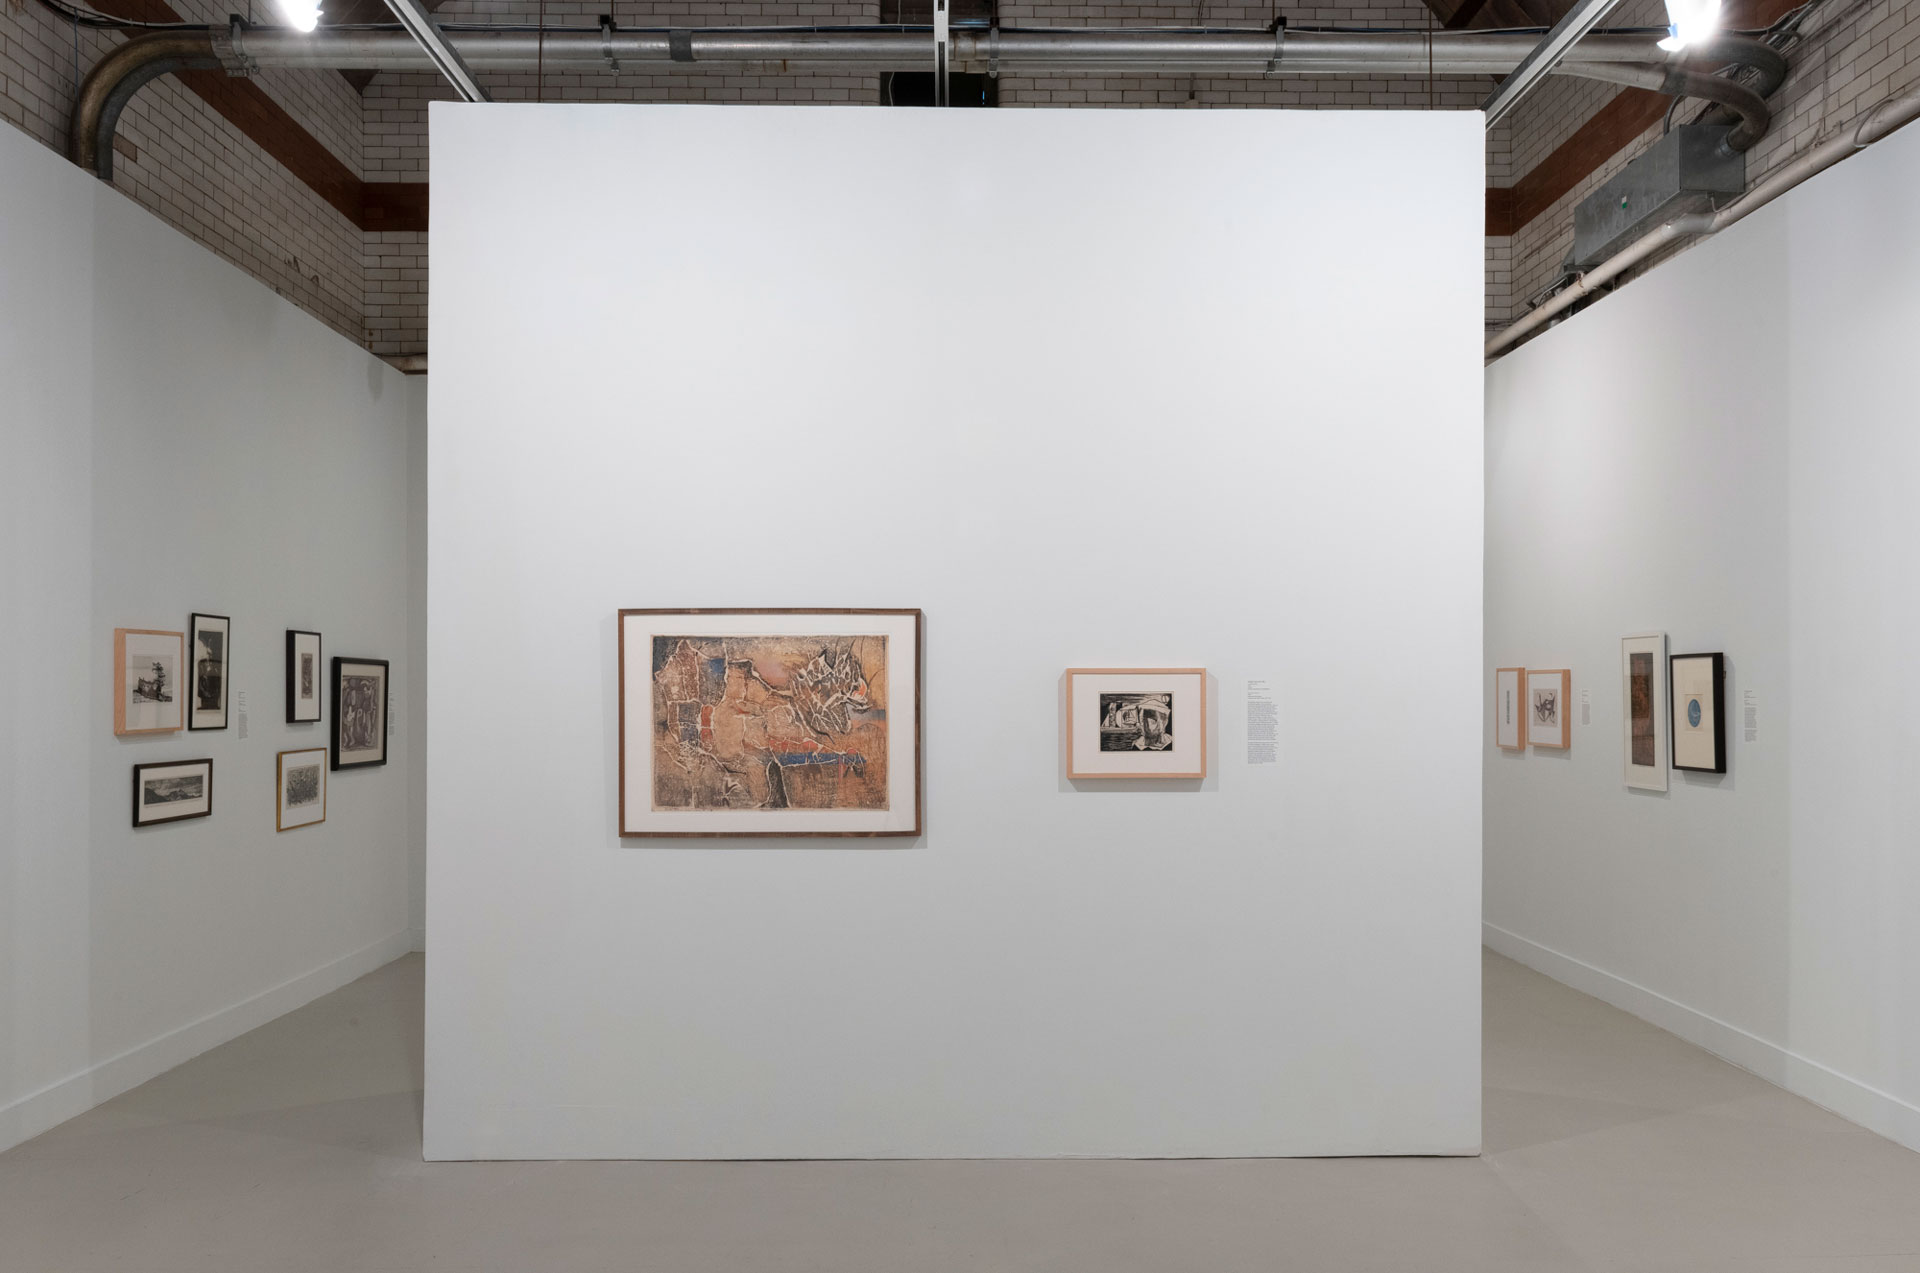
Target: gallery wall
(1725,451)
(1065,381)
(178,438)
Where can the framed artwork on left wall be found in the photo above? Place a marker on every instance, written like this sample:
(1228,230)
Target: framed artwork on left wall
(301,799)
(147,668)
(172,792)
(1696,687)
(210,640)
(1136,722)
(359,713)
(1510,708)
(1547,693)
(304,678)
(1644,707)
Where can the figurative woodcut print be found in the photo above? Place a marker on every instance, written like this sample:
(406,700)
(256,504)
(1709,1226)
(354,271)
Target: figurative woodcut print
(359,712)
(1136,722)
(770,722)
(303,788)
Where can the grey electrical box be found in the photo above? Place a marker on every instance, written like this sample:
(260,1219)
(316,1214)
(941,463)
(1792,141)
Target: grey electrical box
(1688,170)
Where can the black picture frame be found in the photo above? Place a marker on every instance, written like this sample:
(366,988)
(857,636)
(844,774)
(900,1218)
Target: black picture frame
(293,678)
(139,774)
(350,724)
(199,673)
(1677,708)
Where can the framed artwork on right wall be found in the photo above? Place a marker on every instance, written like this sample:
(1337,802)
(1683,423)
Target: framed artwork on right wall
(1643,707)
(1695,685)
(1547,707)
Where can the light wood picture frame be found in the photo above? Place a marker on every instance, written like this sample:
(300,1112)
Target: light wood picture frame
(1136,722)
(149,681)
(1643,711)
(1548,723)
(300,788)
(1510,708)
(777,723)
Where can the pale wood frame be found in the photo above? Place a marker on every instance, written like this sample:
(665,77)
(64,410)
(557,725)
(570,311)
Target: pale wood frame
(1520,674)
(1201,672)
(1566,715)
(120,636)
(280,787)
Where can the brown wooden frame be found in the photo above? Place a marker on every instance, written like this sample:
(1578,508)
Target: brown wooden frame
(1522,705)
(1200,672)
(1566,718)
(120,636)
(919,773)
(280,786)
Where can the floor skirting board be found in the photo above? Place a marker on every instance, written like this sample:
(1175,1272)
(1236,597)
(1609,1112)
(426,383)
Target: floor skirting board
(1859,1102)
(38,1111)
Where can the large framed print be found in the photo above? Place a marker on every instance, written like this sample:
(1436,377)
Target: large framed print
(171,792)
(1547,693)
(359,713)
(1136,722)
(1643,706)
(1696,685)
(769,722)
(304,677)
(210,640)
(147,694)
(301,779)
(1510,708)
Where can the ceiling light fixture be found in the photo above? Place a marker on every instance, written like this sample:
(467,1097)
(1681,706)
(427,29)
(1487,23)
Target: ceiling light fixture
(1690,22)
(304,15)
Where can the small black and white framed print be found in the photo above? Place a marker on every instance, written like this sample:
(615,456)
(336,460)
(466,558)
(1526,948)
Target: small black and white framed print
(1547,695)
(1695,688)
(359,712)
(302,798)
(303,677)
(209,643)
(1136,722)
(172,792)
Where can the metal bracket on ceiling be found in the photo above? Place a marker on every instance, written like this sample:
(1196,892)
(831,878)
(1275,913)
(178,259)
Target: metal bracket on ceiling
(940,16)
(231,49)
(680,45)
(1279,28)
(993,53)
(606,43)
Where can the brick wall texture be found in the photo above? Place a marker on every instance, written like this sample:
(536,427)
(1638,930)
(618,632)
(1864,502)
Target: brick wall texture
(188,165)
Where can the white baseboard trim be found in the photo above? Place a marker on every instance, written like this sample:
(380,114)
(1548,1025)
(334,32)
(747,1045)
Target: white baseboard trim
(1858,1102)
(54,1104)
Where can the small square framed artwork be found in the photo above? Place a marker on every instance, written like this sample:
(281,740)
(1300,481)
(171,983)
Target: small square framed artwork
(1510,708)
(1695,686)
(147,694)
(1136,722)
(1547,693)
(303,677)
(1643,707)
(359,713)
(172,792)
(302,797)
(210,640)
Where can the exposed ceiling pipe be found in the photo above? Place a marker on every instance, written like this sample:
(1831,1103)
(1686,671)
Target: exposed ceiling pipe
(1746,104)
(1539,62)
(1890,114)
(872,50)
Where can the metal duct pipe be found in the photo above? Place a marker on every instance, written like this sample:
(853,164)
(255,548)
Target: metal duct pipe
(1891,114)
(114,80)
(1745,103)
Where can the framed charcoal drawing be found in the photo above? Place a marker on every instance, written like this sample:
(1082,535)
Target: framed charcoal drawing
(1509,708)
(209,638)
(1696,685)
(301,799)
(359,713)
(1643,707)
(769,722)
(303,677)
(1136,722)
(172,792)
(147,694)
(1547,694)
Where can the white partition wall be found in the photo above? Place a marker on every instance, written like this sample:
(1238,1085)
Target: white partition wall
(1726,451)
(1091,389)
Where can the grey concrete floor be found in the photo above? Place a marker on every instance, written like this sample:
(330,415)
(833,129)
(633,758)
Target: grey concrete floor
(1610,1145)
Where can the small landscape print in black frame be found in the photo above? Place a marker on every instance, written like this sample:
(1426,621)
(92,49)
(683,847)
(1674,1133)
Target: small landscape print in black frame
(172,791)
(210,646)
(1695,689)
(359,713)
(304,677)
